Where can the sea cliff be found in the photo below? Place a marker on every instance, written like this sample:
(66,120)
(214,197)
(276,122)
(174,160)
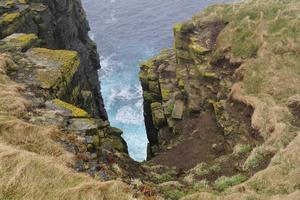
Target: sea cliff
(221,107)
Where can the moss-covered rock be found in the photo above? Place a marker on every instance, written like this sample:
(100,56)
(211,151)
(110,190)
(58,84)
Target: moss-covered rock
(165,93)
(196,48)
(183,28)
(75,111)
(158,116)
(19,41)
(57,67)
(147,64)
(149,97)
(9,18)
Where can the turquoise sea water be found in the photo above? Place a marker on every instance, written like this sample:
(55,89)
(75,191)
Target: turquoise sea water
(127,32)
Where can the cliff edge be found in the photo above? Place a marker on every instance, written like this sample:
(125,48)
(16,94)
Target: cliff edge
(221,106)
(52,119)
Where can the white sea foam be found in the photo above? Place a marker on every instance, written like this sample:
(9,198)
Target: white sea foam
(138,150)
(129,115)
(107,65)
(126,93)
(92,35)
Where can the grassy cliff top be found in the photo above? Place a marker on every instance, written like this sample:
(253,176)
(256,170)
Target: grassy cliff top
(263,39)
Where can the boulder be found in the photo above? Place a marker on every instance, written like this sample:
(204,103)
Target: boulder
(67,110)
(178,110)
(158,116)
(85,126)
(19,41)
(56,68)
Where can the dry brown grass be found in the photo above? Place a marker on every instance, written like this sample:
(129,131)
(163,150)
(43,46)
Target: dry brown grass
(264,37)
(11,100)
(28,176)
(32,165)
(279,181)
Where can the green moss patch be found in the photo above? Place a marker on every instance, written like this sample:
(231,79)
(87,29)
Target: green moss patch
(8,18)
(19,41)
(59,66)
(76,112)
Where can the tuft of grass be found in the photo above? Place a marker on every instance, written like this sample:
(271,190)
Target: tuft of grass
(173,194)
(170,107)
(245,149)
(222,183)
(165,178)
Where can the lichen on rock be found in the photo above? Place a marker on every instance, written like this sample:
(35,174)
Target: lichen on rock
(56,67)
(75,112)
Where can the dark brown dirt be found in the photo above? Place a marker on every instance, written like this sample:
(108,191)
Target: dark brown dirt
(200,135)
(207,33)
(243,114)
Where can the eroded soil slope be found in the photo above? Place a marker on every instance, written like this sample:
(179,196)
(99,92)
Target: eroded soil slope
(221,106)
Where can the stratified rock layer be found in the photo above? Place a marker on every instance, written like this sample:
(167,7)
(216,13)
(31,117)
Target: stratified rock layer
(60,24)
(51,65)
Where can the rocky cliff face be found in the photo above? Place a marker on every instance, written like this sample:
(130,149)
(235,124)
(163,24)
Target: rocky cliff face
(60,25)
(56,63)
(221,107)
(215,107)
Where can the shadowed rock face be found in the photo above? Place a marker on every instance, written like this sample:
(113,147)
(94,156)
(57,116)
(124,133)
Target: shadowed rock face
(61,24)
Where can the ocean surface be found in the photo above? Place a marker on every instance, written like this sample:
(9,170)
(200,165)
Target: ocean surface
(128,32)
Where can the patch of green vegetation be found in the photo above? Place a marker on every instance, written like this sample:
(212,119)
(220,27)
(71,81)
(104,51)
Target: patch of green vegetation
(254,78)
(203,169)
(173,194)
(285,139)
(245,149)
(165,178)
(147,64)
(177,28)
(170,107)
(257,185)
(254,161)
(244,43)
(202,186)
(222,183)
(149,97)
